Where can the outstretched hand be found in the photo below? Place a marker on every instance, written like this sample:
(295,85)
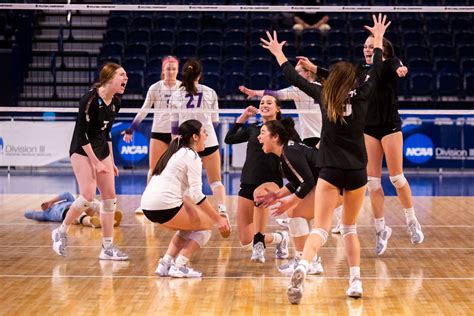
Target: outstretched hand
(380,25)
(272,43)
(249,92)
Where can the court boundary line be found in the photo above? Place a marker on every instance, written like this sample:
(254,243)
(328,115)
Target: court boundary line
(272,225)
(232,247)
(226,277)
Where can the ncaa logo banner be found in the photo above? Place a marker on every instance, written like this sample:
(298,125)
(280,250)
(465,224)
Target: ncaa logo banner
(134,153)
(431,145)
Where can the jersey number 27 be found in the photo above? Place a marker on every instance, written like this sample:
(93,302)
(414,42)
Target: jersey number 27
(190,103)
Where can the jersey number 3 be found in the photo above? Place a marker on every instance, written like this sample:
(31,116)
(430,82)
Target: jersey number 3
(190,103)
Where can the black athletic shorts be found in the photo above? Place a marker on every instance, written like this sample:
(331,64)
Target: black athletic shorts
(162,216)
(311,141)
(164,137)
(380,131)
(208,151)
(246,191)
(344,179)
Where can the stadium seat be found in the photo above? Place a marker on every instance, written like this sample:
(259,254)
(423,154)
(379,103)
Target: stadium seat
(448,84)
(421,84)
(210,50)
(138,36)
(162,36)
(160,50)
(260,81)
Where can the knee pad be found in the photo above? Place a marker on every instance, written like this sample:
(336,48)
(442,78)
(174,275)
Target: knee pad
(183,234)
(346,230)
(246,247)
(322,233)
(81,204)
(374,184)
(398,181)
(95,206)
(216,184)
(200,236)
(109,205)
(298,227)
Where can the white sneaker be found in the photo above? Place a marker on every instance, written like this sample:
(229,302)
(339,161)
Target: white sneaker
(283,222)
(183,272)
(111,252)
(138,211)
(281,251)
(355,288)
(381,241)
(295,289)
(258,252)
(315,266)
(416,235)
(163,268)
(337,229)
(59,242)
(289,267)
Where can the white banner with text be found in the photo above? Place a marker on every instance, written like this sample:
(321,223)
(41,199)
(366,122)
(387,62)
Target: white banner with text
(34,143)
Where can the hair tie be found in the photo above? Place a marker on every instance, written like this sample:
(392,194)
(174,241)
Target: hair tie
(179,138)
(190,67)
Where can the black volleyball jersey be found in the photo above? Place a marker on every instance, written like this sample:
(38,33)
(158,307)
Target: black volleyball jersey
(342,144)
(258,167)
(93,124)
(384,100)
(299,164)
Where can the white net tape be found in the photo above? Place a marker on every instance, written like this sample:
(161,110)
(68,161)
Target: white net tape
(233,8)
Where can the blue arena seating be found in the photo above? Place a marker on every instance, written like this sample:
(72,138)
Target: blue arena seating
(438,48)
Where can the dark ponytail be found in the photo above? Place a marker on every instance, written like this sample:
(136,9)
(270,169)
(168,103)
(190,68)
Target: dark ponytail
(185,135)
(192,69)
(388,51)
(278,103)
(285,129)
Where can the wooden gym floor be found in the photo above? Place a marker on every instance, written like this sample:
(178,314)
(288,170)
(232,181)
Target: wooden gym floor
(436,277)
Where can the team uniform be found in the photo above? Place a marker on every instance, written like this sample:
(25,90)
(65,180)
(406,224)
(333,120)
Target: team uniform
(299,165)
(163,196)
(383,118)
(56,213)
(93,125)
(310,123)
(205,99)
(158,96)
(342,154)
(259,167)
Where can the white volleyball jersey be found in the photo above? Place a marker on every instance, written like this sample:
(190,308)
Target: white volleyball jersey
(205,99)
(310,123)
(181,176)
(158,96)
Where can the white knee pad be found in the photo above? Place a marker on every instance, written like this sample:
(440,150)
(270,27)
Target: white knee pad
(348,229)
(200,236)
(322,233)
(398,181)
(246,247)
(95,206)
(183,234)
(374,184)
(109,206)
(298,227)
(216,184)
(81,204)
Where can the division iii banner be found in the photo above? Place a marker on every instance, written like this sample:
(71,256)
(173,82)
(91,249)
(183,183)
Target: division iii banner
(34,143)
